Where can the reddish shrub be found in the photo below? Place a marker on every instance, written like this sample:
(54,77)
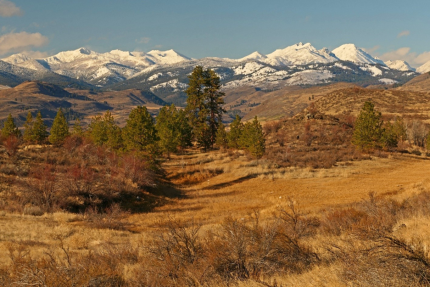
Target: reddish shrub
(11,145)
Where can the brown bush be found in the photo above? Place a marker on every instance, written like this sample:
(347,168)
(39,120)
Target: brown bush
(11,144)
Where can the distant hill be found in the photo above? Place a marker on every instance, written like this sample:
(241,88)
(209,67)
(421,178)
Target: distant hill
(420,83)
(391,102)
(83,104)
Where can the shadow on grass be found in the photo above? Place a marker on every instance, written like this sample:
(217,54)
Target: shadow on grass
(230,183)
(154,197)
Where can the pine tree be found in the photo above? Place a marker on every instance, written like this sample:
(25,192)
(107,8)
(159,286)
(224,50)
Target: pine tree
(185,130)
(234,136)
(221,136)
(204,105)
(39,130)
(252,138)
(368,129)
(104,131)
(172,129)
(28,129)
(59,129)
(10,129)
(140,133)
(195,96)
(214,101)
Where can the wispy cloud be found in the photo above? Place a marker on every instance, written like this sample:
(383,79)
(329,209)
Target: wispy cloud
(371,50)
(18,42)
(8,9)
(405,54)
(403,34)
(36,54)
(144,40)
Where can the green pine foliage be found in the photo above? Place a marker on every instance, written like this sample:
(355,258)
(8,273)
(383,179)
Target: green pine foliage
(28,128)
(214,101)
(235,134)
(368,131)
(221,136)
(10,129)
(139,133)
(173,129)
(104,131)
(393,133)
(59,129)
(252,138)
(39,130)
(204,106)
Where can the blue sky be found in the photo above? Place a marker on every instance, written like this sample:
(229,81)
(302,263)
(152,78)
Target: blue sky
(199,28)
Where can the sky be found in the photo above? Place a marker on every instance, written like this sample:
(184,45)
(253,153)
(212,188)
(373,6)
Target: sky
(390,30)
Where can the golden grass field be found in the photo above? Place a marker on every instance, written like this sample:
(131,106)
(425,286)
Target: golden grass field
(212,186)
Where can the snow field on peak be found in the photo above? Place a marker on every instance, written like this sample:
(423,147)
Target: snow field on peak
(350,52)
(399,65)
(424,68)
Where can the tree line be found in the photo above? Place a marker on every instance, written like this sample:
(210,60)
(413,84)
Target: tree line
(199,124)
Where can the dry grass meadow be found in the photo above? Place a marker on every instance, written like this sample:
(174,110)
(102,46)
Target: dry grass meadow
(209,194)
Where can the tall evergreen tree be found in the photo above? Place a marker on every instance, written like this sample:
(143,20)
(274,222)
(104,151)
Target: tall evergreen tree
(234,136)
(139,133)
(59,129)
(9,128)
(252,138)
(204,105)
(214,101)
(28,128)
(39,130)
(368,129)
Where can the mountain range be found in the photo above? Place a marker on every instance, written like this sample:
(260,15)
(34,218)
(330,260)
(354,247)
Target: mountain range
(164,73)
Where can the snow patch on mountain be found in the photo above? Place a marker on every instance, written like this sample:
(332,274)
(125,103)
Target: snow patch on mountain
(310,77)
(350,52)
(339,65)
(155,76)
(248,68)
(388,81)
(372,69)
(174,84)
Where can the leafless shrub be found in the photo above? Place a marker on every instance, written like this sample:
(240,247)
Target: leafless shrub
(11,144)
(417,133)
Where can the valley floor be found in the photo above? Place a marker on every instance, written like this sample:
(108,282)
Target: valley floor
(207,188)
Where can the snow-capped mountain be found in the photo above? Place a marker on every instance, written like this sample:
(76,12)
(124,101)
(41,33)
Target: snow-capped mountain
(98,68)
(299,54)
(165,72)
(399,65)
(350,52)
(424,68)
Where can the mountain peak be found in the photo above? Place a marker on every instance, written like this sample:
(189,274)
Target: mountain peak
(84,51)
(299,54)
(399,65)
(350,52)
(424,68)
(253,56)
